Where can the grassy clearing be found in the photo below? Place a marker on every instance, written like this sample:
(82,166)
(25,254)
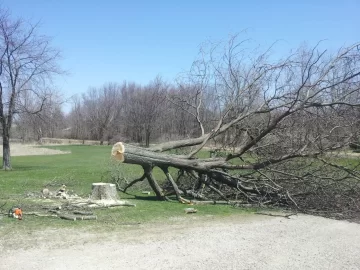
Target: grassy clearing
(85,165)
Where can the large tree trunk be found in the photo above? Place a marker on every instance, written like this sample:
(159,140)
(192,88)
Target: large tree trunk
(147,137)
(6,150)
(149,159)
(249,183)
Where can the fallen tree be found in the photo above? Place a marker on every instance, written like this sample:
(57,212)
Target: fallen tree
(276,127)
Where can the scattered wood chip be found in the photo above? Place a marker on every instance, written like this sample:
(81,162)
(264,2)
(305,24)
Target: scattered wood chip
(190,210)
(73,217)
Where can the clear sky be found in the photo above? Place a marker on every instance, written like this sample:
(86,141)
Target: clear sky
(112,41)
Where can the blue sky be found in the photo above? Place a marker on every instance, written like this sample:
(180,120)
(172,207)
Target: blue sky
(112,41)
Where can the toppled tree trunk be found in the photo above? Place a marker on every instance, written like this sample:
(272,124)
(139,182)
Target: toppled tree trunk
(277,122)
(250,184)
(210,167)
(104,191)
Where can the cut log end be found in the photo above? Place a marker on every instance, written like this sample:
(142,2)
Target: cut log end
(117,151)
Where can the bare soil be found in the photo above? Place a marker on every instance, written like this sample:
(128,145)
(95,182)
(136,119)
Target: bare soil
(241,242)
(31,150)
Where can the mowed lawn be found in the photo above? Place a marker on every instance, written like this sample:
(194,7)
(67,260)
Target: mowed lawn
(78,170)
(83,166)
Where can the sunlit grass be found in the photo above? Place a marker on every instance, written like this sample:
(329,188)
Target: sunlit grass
(80,168)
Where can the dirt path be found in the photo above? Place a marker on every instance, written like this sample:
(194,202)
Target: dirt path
(255,242)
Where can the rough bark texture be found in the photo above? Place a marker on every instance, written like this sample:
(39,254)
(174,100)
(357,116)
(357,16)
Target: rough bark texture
(198,167)
(6,151)
(104,191)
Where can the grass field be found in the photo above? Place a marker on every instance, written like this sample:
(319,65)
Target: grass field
(78,170)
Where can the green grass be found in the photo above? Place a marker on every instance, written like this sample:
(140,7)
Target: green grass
(78,170)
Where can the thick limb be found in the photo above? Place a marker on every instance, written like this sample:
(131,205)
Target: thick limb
(133,182)
(217,191)
(153,183)
(175,186)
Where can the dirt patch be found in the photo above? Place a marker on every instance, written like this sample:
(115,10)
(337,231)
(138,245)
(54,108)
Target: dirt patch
(242,242)
(31,150)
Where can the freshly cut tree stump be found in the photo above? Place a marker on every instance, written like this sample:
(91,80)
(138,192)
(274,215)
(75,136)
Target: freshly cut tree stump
(104,191)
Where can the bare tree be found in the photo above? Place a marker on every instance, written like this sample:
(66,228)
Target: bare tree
(76,119)
(278,123)
(154,95)
(100,106)
(49,122)
(27,62)
(142,108)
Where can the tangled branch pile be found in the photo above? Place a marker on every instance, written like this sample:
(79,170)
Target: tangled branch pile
(278,127)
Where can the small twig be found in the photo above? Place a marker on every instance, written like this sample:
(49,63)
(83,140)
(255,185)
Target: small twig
(217,191)
(129,223)
(84,213)
(276,215)
(287,192)
(39,214)
(3,205)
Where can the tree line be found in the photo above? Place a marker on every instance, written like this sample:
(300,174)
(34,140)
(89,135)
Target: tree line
(133,113)
(130,112)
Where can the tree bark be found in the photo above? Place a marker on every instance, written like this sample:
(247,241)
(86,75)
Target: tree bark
(153,183)
(104,191)
(6,150)
(150,159)
(147,137)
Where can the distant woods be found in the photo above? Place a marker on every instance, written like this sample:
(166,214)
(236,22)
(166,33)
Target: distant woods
(126,111)
(131,112)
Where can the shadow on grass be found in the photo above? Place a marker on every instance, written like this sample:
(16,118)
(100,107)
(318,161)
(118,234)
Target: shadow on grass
(146,198)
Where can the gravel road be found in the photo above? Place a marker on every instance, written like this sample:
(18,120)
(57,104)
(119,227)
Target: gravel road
(241,242)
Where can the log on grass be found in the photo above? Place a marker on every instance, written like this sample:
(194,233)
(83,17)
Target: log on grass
(107,204)
(86,217)
(83,213)
(148,159)
(211,202)
(74,217)
(67,217)
(130,154)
